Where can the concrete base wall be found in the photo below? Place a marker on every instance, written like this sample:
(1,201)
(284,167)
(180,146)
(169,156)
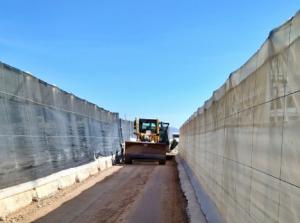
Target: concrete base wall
(16,197)
(194,210)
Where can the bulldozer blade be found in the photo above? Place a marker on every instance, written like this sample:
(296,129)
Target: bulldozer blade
(145,151)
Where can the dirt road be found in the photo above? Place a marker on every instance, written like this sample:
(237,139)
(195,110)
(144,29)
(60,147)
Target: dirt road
(134,193)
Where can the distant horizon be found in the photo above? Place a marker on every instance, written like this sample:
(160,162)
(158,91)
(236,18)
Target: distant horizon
(154,60)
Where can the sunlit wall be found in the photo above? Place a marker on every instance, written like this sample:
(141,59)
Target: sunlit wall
(243,145)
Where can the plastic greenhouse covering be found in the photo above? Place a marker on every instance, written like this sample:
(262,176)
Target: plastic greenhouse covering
(45,129)
(243,144)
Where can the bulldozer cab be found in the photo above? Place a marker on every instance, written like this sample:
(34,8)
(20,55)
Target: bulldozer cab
(147,130)
(148,125)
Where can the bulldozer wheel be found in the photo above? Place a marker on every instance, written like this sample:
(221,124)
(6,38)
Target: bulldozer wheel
(162,162)
(128,160)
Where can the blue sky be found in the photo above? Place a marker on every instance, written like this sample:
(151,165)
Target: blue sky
(158,58)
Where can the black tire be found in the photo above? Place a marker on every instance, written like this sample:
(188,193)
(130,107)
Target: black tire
(128,160)
(162,162)
(170,157)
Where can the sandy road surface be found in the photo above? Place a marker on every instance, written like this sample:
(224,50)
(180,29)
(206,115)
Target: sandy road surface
(133,193)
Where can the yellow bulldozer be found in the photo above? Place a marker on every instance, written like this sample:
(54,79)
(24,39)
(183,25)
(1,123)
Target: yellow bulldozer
(152,142)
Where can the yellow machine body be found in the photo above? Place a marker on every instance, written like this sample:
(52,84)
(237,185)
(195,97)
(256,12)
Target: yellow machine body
(150,145)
